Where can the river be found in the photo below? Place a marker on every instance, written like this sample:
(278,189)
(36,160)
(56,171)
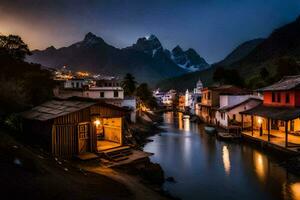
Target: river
(206,168)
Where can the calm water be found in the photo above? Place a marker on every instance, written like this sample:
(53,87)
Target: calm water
(205,168)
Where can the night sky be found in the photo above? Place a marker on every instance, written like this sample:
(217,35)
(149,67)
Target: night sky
(212,27)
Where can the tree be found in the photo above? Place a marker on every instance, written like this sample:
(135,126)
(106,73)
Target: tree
(14,46)
(145,95)
(129,84)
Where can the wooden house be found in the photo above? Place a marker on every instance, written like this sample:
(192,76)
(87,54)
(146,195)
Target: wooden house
(277,120)
(72,127)
(210,100)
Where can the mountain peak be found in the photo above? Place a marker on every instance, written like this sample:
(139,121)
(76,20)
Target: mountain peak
(177,51)
(51,48)
(151,37)
(149,45)
(89,36)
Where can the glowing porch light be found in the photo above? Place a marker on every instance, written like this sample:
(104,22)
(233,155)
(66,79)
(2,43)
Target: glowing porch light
(259,120)
(97,122)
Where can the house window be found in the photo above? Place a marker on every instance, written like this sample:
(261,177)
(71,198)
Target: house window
(208,95)
(116,94)
(278,97)
(287,98)
(233,117)
(102,94)
(77,85)
(273,97)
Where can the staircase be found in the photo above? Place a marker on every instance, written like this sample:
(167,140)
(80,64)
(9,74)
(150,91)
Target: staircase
(118,154)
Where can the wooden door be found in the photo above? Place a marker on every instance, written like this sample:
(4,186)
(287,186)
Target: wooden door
(83,137)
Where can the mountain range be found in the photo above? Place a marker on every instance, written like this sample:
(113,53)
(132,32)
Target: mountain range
(147,59)
(248,58)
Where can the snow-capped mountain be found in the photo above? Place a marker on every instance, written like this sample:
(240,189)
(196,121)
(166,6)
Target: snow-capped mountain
(189,60)
(147,60)
(149,45)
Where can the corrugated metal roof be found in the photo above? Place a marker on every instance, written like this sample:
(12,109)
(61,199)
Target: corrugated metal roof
(279,113)
(286,83)
(53,109)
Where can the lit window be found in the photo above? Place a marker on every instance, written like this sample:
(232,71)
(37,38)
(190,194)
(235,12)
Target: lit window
(278,97)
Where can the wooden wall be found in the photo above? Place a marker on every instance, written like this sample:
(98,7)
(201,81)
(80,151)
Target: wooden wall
(65,132)
(64,140)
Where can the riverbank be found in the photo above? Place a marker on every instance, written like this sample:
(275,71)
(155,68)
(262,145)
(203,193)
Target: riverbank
(31,173)
(146,125)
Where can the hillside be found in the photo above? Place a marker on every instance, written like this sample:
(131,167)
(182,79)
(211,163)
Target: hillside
(283,42)
(240,52)
(147,60)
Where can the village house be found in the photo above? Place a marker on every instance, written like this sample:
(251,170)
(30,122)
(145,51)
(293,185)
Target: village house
(276,121)
(228,115)
(109,90)
(210,101)
(69,128)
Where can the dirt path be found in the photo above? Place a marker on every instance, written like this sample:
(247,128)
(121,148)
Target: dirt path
(140,191)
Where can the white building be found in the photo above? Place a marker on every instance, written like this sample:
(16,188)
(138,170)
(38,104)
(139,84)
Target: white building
(231,105)
(75,83)
(196,98)
(167,98)
(199,87)
(158,96)
(188,99)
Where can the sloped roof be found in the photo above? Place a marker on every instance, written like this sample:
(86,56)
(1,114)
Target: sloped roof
(230,107)
(229,89)
(279,113)
(53,109)
(286,83)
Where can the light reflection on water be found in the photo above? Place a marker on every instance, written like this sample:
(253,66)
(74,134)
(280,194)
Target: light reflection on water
(205,168)
(226,160)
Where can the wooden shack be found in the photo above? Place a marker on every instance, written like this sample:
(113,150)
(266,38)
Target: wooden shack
(69,128)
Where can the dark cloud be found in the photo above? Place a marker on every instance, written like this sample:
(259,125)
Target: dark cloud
(212,27)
